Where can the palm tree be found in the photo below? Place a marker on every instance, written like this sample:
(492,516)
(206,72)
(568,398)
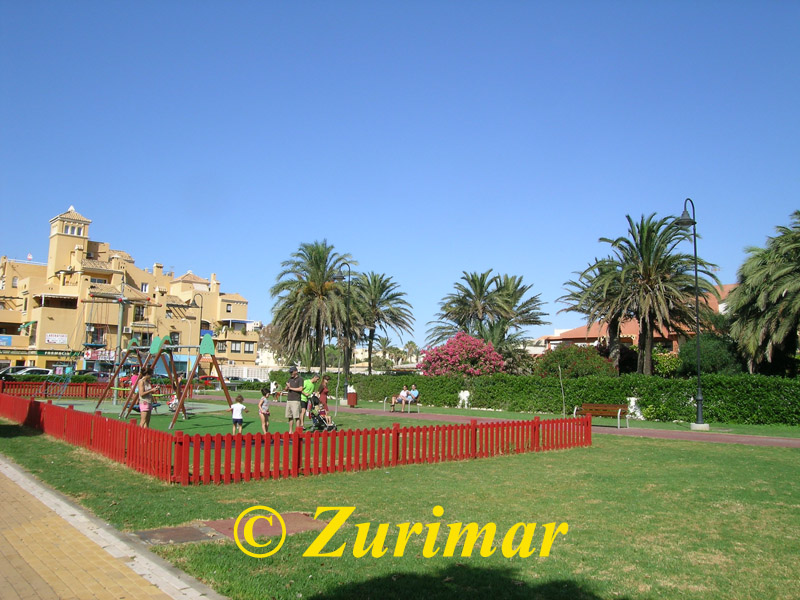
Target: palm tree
(766,303)
(411,350)
(381,307)
(598,293)
(656,283)
(384,345)
(486,305)
(310,305)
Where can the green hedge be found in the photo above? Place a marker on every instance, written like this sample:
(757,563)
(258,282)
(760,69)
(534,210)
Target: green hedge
(753,399)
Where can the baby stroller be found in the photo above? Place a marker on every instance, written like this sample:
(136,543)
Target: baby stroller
(317,413)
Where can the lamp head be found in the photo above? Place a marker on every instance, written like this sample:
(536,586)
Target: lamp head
(685,220)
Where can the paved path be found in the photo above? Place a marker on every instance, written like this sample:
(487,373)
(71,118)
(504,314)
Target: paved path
(664,434)
(50,549)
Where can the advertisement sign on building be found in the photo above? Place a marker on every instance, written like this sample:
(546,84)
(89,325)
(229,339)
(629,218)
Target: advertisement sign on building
(5,341)
(55,338)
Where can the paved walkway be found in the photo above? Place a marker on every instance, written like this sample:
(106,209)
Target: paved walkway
(665,434)
(50,549)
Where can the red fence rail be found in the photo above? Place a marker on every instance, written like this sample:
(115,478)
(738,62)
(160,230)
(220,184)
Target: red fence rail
(51,389)
(221,459)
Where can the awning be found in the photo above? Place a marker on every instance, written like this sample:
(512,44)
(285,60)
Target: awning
(28,324)
(59,296)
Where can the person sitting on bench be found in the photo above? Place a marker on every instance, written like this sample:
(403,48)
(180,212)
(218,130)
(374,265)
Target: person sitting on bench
(401,398)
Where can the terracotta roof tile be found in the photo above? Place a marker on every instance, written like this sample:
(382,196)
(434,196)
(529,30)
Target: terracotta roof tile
(72,215)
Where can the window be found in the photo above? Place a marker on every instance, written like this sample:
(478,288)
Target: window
(147,339)
(145,287)
(236,346)
(249,347)
(80,230)
(138,313)
(175,338)
(229,308)
(221,347)
(25,305)
(98,280)
(169,313)
(15,283)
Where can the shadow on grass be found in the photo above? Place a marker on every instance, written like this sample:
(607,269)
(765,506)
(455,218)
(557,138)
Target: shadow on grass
(460,582)
(8,430)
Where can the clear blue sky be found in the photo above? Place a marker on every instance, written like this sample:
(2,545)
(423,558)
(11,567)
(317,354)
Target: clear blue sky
(424,138)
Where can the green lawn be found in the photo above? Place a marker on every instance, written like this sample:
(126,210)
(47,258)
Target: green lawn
(647,518)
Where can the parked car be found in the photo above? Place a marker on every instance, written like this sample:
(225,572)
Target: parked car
(10,371)
(25,371)
(98,374)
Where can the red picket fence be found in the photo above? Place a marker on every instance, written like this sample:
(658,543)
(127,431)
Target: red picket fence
(220,459)
(51,389)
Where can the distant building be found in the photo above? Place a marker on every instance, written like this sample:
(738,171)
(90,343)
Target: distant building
(629,330)
(88,301)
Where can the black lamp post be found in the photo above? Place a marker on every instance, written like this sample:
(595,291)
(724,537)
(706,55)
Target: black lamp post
(200,306)
(685,221)
(340,277)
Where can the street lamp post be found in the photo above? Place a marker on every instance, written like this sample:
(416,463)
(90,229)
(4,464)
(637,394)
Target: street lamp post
(200,306)
(340,277)
(685,221)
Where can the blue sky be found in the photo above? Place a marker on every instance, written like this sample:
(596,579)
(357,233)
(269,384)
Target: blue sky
(423,138)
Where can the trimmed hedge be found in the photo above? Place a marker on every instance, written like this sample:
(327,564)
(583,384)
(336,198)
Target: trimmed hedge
(751,399)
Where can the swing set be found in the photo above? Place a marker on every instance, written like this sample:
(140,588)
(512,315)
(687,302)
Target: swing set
(160,350)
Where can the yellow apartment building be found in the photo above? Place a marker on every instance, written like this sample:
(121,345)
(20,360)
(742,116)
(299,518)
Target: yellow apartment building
(88,301)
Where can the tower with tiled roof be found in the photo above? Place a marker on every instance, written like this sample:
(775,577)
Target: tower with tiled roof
(68,231)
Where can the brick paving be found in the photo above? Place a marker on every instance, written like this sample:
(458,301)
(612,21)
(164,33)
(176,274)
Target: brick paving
(50,549)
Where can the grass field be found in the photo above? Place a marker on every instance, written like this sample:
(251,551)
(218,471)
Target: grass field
(647,518)
(221,423)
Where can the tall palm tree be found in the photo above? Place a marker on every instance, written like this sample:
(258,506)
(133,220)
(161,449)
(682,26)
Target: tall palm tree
(485,305)
(598,294)
(412,350)
(766,303)
(382,307)
(384,345)
(657,282)
(310,305)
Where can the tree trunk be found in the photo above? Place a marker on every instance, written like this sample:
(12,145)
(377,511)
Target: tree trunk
(369,350)
(613,342)
(644,334)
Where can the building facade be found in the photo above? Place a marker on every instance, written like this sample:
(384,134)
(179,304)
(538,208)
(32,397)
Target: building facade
(88,302)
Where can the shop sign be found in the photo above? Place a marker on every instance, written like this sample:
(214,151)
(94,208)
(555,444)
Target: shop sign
(55,338)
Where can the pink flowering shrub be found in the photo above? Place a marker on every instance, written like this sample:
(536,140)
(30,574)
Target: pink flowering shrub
(461,355)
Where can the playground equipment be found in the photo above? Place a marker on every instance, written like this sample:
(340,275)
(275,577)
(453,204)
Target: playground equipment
(59,382)
(159,350)
(206,348)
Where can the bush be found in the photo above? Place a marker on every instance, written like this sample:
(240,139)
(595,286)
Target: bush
(717,355)
(666,364)
(574,361)
(753,399)
(461,354)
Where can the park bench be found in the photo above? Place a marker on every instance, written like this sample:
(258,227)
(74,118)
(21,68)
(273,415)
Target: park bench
(408,403)
(603,410)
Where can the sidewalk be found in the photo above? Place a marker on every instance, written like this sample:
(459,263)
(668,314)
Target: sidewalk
(52,549)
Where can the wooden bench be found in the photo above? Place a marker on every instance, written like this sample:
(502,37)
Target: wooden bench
(604,410)
(408,403)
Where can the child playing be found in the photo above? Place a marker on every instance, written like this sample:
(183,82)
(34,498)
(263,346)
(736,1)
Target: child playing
(263,409)
(237,408)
